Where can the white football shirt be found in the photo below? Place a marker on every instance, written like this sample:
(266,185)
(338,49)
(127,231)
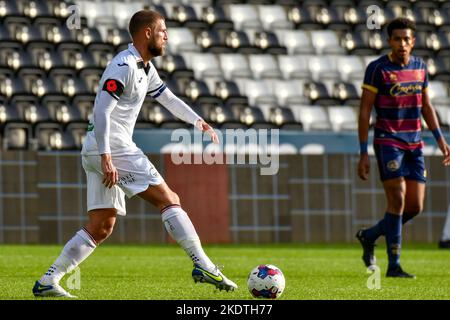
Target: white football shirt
(126,80)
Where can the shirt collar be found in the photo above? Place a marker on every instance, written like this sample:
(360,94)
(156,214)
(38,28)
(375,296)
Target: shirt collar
(137,55)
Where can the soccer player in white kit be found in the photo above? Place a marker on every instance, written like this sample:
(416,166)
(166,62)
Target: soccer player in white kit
(116,167)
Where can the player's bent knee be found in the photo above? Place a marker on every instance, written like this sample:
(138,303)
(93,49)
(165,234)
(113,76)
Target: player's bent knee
(396,204)
(103,234)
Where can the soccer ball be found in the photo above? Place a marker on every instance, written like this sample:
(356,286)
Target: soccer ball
(266,281)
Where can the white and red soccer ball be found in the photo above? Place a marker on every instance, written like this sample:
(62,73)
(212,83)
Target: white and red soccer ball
(266,281)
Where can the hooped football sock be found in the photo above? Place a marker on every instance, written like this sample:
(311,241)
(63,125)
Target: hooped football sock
(393,223)
(74,252)
(181,229)
(378,230)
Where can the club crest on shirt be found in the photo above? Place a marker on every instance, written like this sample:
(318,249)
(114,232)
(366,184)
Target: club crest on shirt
(393,77)
(393,165)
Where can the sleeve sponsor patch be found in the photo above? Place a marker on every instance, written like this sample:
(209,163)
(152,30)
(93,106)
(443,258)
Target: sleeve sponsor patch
(113,87)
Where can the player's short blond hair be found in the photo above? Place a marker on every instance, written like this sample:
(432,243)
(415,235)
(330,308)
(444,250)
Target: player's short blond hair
(143,18)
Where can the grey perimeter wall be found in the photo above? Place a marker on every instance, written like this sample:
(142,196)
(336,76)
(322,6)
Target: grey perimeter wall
(313,198)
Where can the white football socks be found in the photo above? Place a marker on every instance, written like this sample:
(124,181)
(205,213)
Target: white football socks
(181,229)
(446,230)
(74,252)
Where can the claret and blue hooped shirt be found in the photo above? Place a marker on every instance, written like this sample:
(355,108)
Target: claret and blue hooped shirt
(398,103)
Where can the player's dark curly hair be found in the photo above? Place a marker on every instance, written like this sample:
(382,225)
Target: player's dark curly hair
(143,18)
(400,23)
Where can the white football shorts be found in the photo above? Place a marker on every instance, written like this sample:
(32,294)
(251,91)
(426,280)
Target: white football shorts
(136,173)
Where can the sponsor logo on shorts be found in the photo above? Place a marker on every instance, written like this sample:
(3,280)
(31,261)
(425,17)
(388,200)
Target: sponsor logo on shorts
(129,178)
(153,172)
(393,165)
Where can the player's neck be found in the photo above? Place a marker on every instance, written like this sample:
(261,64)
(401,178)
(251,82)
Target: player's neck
(400,61)
(145,54)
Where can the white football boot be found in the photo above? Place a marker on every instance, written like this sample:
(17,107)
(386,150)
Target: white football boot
(51,290)
(216,278)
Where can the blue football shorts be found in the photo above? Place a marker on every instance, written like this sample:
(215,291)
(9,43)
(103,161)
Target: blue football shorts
(394,162)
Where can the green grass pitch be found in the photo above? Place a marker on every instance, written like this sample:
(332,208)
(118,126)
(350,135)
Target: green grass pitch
(163,272)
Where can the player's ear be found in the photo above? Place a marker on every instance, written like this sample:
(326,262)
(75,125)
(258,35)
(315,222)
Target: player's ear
(148,33)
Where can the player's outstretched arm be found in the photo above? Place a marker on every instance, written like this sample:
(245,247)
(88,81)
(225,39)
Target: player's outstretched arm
(430,117)
(202,125)
(367,101)
(182,111)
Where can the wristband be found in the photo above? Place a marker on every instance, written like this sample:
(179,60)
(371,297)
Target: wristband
(437,133)
(363,147)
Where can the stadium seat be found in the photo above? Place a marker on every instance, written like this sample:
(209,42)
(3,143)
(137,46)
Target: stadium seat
(197,91)
(264,66)
(36,81)
(122,11)
(288,92)
(8,8)
(161,117)
(274,17)
(48,136)
(346,93)
(44,56)
(373,39)
(266,42)
(77,130)
(346,12)
(181,40)
(342,118)
(350,68)
(324,15)
(244,16)
(439,68)
(215,17)
(102,53)
(326,42)
(296,41)
(176,67)
(312,117)
(203,64)
(323,67)
(97,13)
(11,85)
(187,17)
(251,117)
(284,118)
(294,67)
(16,136)
(218,114)
(8,113)
(235,66)
(438,93)
(91,77)
(426,13)
(318,93)
(229,92)
(355,45)
(301,18)
(30,110)
(60,109)
(85,105)
(211,41)
(33,8)
(238,41)
(257,92)
(15,58)
(87,36)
